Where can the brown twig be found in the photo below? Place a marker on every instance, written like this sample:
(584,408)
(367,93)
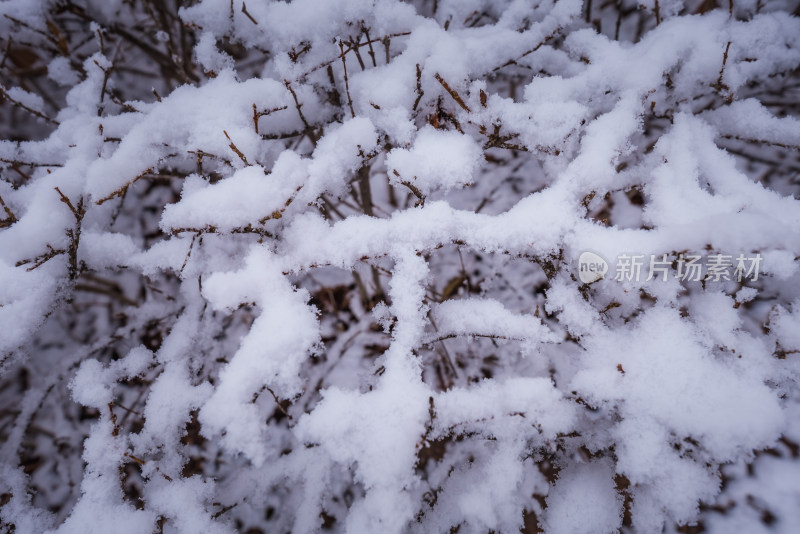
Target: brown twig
(472,334)
(278,403)
(170,63)
(502,141)
(277,214)
(248,15)
(285,135)
(189,253)
(295,55)
(761,141)
(297,105)
(200,154)
(40,260)
(412,188)
(452,92)
(354,45)
(417,193)
(124,189)
(719,85)
(385,40)
(4,94)
(236,150)
(364,190)
(111,291)
(225,509)
(36,30)
(115,431)
(68,202)
(61,42)
(547,39)
(346,82)
(214,230)
(11,218)
(371,50)
(29,163)
(258,114)
(74,234)
(418,88)
(135,459)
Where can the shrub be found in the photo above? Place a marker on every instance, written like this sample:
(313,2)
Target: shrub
(339,265)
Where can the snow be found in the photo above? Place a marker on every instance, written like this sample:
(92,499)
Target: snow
(307,266)
(583,492)
(436,161)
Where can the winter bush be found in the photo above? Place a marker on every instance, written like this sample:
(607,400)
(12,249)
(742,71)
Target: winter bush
(272,267)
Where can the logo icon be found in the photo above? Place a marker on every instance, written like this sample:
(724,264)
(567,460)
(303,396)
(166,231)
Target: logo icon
(591,267)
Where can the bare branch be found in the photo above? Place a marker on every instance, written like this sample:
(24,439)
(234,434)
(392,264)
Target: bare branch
(452,93)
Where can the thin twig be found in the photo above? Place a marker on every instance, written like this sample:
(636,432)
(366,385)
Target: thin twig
(297,104)
(761,141)
(4,94)
(371,50)
(452,92)
(417,193)
(258,114)
(248,15)
(385,40)
(719,85)
(238,152)
(42,259)
(11,219)
(419,88)
(189,253)
(278,402)
(346,82)
(364,190)
(354,46)
(471,334)
(68,202)
(29,163)
(547,39)
(124,189)
(74,234)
